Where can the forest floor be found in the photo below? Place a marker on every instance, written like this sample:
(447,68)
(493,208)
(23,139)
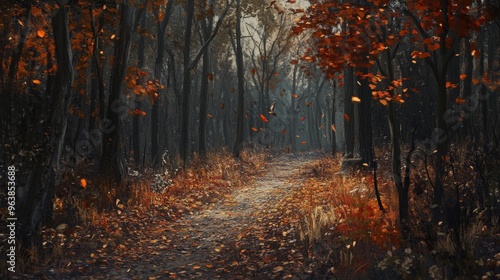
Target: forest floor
(225,240)
(284,217)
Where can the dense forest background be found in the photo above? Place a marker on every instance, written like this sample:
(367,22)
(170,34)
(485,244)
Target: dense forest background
(114,88)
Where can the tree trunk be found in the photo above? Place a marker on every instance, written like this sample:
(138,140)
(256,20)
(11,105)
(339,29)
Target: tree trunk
(207,30)
(349,113)
(136,121)
(113,161)
(241,89)
(36,203)
(161,27)
(186,89)
(365,121)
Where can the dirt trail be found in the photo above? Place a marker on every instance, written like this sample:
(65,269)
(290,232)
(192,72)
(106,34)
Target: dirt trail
(200,246)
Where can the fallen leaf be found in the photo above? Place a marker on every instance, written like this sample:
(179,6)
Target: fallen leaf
(278,269)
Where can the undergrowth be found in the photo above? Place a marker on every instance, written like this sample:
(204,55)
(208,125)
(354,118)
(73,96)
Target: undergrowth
(345,235)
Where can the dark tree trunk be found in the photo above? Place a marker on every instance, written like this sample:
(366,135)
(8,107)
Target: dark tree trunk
(207,30)
(113,160)
(241,87)
(161,27)
(36,200)
(10,89)
(136,121)
(186,88)
(365,121)
(349,112)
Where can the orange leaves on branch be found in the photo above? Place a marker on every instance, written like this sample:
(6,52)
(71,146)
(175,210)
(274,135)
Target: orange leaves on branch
(417,54)
(450,85)
(263,118)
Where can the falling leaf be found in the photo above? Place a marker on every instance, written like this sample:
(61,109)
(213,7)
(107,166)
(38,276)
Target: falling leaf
(355,99)
(463,76)
(37,82)
(283,131)
(210,76)
(247,115)
(346,117)
(40,33)
(113,36)
(295,95)
(83,183)
(263,118)
(210,115)
(295,61)
(303,142)
(196,267)
(383,102)
(138,112)
(308,103)
(222,106)
(255,129)
(253,71)
(333,128)
(459,100)
(303,119)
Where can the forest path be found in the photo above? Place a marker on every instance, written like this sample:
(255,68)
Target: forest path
(208,244)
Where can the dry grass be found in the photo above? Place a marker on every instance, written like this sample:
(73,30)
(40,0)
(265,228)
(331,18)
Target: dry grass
(346,236)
